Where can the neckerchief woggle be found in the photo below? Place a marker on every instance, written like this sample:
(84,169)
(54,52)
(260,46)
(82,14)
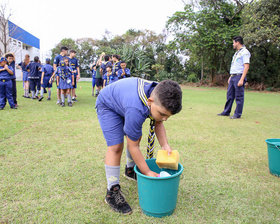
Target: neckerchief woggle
(151,137)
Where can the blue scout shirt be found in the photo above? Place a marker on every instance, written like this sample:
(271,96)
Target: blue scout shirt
(74,64)
(63,73)
(103,66)
(48,70)
(58,59)
(116,67)
(127,73)
(13,65)
(109,80)
(241,57)
(23,66)
(34,70)
(122,97)
(5,74)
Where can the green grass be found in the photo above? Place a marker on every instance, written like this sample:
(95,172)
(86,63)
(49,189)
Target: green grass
(52,162)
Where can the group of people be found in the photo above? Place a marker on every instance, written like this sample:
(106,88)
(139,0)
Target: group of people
(65,71)
(107,70)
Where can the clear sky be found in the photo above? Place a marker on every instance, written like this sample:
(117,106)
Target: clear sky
(53,20)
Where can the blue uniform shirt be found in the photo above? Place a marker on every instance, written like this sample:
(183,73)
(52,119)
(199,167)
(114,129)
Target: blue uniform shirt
(122,97)
(34,70)
(103,66)
(58,59)
(127,73)
(116,67)
(5,74)
(13,65)
(23,66)
(74,64)
(48,70)
(109,80)
(241,57)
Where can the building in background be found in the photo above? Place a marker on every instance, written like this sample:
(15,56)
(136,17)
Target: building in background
(19,42)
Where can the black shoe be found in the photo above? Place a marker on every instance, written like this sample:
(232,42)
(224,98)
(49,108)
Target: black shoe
(28,97)
(130,173)
(13,108)
(37,97)
(234,117)
(74,100)
(41,97)
(116,200)
(49,98)
(222,114)
(62,104)
(69,104)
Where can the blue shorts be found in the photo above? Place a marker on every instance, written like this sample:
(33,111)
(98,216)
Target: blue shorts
(93,81)
(25,76)
(46,83)
(111,124)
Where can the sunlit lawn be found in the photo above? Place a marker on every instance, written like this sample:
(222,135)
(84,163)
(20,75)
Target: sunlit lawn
(52,162)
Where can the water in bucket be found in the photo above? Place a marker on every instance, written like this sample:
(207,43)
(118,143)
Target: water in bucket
(158,195)
(273,149)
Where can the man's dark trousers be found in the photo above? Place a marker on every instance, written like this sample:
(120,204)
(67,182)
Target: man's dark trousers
(235,92)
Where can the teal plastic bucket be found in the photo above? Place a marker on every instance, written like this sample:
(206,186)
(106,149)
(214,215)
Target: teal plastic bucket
(158,195)
(273,148)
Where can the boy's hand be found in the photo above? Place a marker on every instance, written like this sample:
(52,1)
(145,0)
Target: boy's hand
(152,174)
(167,148)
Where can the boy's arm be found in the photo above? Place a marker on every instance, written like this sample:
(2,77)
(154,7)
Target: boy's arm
(11,72)
(133,147)
(79,75)
(161,136)
(42,78)
(73,80)
(104,83)
(57,80)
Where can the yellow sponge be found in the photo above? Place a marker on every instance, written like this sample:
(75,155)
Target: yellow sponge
(168,162)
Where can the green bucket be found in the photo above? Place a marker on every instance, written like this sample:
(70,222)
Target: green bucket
(273,148)
(158,195)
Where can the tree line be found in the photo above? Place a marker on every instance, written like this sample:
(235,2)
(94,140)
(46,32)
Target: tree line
(200,49)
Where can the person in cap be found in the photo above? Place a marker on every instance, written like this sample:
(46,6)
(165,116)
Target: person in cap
(6,86)
(47,72)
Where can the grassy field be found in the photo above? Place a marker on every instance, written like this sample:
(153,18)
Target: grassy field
(52,162)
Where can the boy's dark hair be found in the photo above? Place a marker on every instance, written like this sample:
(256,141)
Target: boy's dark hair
(107,57)
(109,66)
(169,94)
(238,39)
(116,56)
(122,62)
(73,51)
(9,55)
(63,48)
(36,59)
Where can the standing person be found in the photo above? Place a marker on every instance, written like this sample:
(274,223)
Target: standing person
(39,83)
(122,108)
(11,62)
(109,76)
(117,64)
(47,72)
(33,75)
(124,72)
(98,75)
(23,66)
(74,64)
(57,59)
(238,71)
(93,70)
(65,81)
(104,65)
(6,86)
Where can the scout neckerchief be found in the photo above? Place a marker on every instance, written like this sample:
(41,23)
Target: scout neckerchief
(108,78)
(151,137)
(236,54)
(114,67)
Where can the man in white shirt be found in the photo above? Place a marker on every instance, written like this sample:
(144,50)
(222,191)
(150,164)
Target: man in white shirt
(238,71)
